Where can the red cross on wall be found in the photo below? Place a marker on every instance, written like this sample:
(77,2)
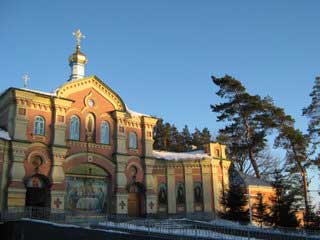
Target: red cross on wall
(57,202)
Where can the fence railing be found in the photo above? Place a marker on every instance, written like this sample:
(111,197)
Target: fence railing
(159,225)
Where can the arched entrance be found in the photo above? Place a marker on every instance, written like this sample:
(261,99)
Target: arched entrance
(136,199)
(88,189)
(38,191)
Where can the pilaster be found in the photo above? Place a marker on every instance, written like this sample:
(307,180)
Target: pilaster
(16,197)
(151,196)
(148,124)
(120,132)
(120,198)
(17,171)
(189,188)
(217,184)
(172,206)
(4,163)
(59,154)
(207,186)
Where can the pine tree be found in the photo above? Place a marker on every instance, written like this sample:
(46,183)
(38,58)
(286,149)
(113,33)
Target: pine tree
(296,144)
(235,203)
(205,136)
(196,138)
(313,113)
(250,118)
(260,211)
(186,138)
(282,212)
(158,135)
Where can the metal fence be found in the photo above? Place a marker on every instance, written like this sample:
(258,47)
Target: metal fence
(159,227)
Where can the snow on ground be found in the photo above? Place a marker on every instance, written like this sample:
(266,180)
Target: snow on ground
(164,229)
(175,156)
(4,134)
(70,225)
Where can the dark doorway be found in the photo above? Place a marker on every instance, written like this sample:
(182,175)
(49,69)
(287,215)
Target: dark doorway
(38,191)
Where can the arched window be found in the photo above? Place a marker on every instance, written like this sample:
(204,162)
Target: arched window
(38,125)
(105,133)
(74,128)
(133,140)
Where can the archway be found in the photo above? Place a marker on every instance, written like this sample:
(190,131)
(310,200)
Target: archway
(88,189)
(38,191)
(136,199)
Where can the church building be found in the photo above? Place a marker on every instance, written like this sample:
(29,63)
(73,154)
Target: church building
(82,149)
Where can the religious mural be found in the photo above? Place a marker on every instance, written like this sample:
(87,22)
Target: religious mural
(86,194)
(180,193)
(197,192)
(162,194)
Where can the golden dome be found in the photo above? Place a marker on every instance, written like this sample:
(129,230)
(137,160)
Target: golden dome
(78,57)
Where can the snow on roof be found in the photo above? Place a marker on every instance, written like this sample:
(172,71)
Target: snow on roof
(135,114)
(37,91)
(250,180)
(176,156)
(4,134)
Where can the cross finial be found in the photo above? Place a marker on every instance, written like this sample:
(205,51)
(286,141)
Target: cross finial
(78,34)
(25,78)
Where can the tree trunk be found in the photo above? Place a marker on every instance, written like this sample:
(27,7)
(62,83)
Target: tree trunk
(254,164)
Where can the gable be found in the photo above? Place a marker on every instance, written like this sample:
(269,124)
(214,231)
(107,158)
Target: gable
(73,87)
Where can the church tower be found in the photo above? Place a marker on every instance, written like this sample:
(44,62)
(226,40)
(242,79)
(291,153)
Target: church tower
(77,60)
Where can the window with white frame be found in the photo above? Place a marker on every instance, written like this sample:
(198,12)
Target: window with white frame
(105,133)
(74,128)
(133,144)
(39,124)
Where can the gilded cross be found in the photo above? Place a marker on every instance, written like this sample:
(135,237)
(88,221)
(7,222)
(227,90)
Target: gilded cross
(25,78)
(78,34)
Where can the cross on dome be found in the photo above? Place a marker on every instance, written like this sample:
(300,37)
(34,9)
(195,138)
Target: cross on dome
(79,35)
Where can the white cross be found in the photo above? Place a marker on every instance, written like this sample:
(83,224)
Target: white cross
(25,78)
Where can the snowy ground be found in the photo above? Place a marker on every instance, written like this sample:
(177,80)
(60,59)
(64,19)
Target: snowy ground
(171,227)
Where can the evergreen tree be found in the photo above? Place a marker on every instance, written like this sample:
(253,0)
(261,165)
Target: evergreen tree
(282,212)
(296,144)
(235,203)
(196,138)
(158,133)
(260,211)
(161,135)
(205,136)
(186,139)
(313,113)
(249,118)
(312,220)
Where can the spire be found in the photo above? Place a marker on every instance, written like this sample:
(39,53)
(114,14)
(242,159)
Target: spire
(77,60)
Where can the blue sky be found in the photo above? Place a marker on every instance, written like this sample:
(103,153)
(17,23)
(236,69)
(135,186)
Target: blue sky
(159,55)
